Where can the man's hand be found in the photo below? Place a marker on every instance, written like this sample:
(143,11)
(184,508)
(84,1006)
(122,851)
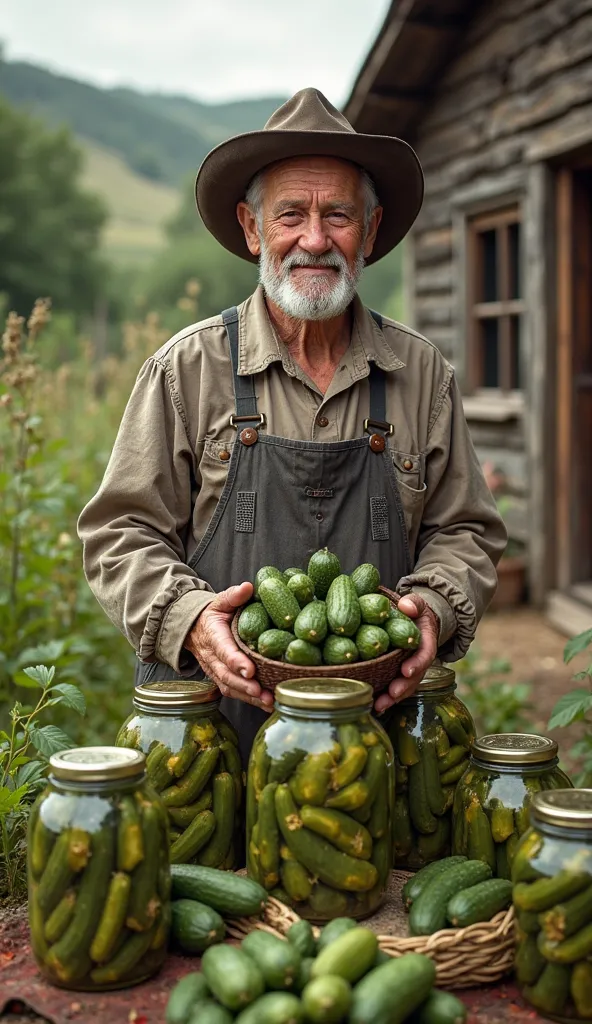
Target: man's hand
(212,643)
(414,668)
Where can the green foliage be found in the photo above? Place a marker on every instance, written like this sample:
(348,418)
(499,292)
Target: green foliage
(576,706)
(49,228)
(496,704)
(25,750)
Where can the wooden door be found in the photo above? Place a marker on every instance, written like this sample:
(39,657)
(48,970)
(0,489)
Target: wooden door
(573,476)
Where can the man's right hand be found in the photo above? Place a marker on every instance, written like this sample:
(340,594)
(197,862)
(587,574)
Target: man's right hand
(211,642)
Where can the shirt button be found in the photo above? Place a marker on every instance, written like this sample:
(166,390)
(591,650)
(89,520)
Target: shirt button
(319,517)
(322,421)
(224,456)
(408,464)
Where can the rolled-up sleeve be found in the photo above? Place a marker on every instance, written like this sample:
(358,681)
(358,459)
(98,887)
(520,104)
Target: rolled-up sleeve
(133,530)
(462,535)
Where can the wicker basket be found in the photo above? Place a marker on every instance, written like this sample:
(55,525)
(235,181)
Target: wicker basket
(379,672)
(464,957)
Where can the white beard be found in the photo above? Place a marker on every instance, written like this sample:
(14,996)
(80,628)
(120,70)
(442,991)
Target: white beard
(315,298)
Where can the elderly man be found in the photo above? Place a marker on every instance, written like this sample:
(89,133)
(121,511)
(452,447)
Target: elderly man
(298,420)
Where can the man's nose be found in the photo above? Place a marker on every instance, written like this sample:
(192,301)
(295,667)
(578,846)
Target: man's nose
(314,238)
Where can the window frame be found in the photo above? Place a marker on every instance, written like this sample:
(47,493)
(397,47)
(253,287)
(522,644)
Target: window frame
(499,219)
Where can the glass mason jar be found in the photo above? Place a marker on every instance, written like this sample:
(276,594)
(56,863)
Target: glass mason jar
(319,800)
(431,733)
(98,871)
(491,808)
(192,760)
(552,875)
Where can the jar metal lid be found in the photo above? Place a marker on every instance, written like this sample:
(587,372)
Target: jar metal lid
(324,694)
(569,808)
(437,677)
(514,748)
(176,693)
(97,764)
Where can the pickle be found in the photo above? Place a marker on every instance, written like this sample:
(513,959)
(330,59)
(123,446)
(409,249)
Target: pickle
(295,880)
(195,836)
(36,925)
(401,777)
(351,798)
(125,960)
(280,894)
(282,768)
(402,831)
(340,829)
(68,957)
(310,782)
(57,876)
(253,854)
(180,763)
(232,763)
(502,821)
(453,725)
(224,809)
(511,847)
(378,822)
(454,774)
(144,903)
(130,849)
(419,809)
(382,860)
(529,961)
(269,837)
(502,865)
(522,818)
(581,988)
(194,781)
(369,738)
(227,732)
(435,846)
(544,893)
(570,950)
(60,918)
(353,759)
(435,794)
(453,756)
(442,741)
(327,904)
(563,919)
(112,917)
(407,745)
(528,921)
(78,849)
(41,846)
(522,868)
(375,771)
(362,814)
(550,992)
(204,734)
(259,767)
(183,816)
(480,840)
(157,767)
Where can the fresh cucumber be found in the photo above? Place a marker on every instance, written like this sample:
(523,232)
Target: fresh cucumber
(301,935)
(273,1008)
(277,959)
(479,902)
(388,994)
(232,976)
(440,1008)
(326,1000)
(323,568)
(189,990)
(428,911)
(366,579)
(343,607)
(227,893)
(350,956)
(196,926)
(333,930)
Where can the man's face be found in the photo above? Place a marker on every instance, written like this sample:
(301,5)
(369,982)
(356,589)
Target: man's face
(311,235)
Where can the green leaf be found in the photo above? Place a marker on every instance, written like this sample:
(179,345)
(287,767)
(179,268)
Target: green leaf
(9,798)
(576,645)
(41,673)
(71,696)
(570,708)
(30,773)
(27,681)
(47,653)
(50,740)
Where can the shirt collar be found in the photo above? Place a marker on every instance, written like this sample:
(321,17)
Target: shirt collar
(258,344)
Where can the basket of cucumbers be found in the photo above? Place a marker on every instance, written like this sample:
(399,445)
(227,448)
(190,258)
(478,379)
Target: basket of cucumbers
(324,622)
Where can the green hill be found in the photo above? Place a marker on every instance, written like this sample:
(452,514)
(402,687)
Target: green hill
(161,137)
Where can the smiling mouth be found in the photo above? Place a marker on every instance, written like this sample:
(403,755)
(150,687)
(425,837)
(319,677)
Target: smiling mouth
(316,270)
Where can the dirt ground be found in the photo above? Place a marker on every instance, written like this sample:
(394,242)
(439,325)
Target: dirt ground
(534,648)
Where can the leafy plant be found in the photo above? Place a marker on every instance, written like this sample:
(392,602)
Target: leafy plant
(496,704)
(576,706)
(24,754)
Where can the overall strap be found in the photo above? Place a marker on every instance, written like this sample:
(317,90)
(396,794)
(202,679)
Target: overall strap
(377,383)
(244,387)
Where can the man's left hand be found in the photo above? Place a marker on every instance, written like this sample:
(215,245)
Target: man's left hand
(415,667)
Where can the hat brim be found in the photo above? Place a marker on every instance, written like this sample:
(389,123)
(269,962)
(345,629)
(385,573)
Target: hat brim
(224,176)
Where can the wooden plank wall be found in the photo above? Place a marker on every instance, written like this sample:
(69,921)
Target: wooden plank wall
(522,72)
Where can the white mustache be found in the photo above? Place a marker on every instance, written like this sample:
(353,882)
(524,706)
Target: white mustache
(330,260)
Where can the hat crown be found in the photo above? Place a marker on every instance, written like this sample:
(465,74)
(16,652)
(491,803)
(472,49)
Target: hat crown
(308,111)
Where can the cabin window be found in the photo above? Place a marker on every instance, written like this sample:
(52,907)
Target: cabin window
(495,300)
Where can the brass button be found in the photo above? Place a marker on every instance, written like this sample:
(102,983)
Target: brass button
(377,442)
(322,421)
(224,456)
(249,436)
(408,464)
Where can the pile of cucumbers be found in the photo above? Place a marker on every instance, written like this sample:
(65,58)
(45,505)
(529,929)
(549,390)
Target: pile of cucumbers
(323,615)
(339,976)
(432,747)
(554,927)
(202,898)
(200,782)
(99,906)
(319,824)
(453,893)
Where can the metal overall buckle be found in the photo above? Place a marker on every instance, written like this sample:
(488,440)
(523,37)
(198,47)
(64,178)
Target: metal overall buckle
(376,441)
(249,435)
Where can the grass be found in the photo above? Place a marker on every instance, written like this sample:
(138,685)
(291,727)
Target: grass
(138,208)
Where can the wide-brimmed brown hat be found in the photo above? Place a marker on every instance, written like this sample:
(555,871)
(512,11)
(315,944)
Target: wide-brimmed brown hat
(308,125)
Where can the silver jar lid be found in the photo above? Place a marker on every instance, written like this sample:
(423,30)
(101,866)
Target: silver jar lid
(324,694)
(97,764)
(175,694)
(568,808)
(514,748)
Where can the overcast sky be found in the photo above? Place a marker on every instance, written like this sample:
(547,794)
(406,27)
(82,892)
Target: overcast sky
(208,49)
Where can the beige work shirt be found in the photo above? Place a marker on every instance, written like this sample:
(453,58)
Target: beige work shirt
(171,456)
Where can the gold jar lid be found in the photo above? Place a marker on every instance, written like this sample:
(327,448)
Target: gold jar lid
(175,694)
(514,748)
(324,694)
(437,677)
(97,764)
(569,808)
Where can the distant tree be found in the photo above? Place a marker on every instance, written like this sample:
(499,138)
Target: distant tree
(49,227)
(185,221)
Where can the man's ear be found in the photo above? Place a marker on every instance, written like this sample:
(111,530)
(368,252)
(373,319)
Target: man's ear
(372,231)
(248,222)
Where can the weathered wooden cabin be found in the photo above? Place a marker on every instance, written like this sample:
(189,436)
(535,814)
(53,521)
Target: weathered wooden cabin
(496,98)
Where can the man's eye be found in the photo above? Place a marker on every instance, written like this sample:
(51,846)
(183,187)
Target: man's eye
(338,215)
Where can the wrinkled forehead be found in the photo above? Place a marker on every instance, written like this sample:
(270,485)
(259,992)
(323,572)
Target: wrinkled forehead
(303,175)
